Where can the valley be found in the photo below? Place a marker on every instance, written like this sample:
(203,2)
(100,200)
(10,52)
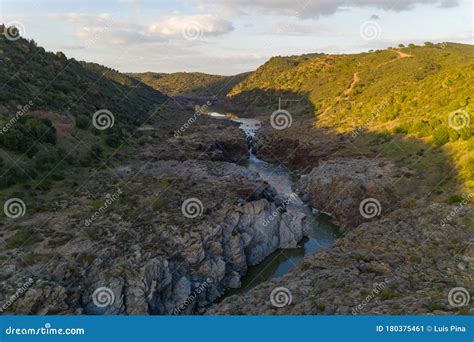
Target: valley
(360,204)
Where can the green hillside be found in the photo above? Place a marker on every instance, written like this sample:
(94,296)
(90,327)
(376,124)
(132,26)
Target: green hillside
(47,103)
(192,84)
(409,92)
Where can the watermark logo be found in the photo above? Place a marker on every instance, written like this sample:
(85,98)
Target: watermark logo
(192,297)
(379,109)
(22,110)
(370,207)
(103,297)
(459,297)
(14,30)
(459,119)
(453,213)
(198,111)
(192,208)
(192,30)
(103,119)
(281,119)
(109,199)
(17,295)
(292,198)
(14,208)
(370,30)
(377,288)
(280,297)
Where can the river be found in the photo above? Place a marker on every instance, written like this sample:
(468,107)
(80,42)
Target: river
(321,233)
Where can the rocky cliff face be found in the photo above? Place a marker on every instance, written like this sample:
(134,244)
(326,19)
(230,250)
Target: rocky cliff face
(340,187)
(124,241)
(405,263)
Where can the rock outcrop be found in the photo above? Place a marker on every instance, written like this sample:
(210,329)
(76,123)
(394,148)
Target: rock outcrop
(405,263)
(340,187)
(142,255)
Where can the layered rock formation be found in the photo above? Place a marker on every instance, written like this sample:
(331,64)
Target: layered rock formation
(145,252)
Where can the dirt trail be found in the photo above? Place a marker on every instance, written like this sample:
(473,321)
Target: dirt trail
(400,55)
(348,91)
(355,80)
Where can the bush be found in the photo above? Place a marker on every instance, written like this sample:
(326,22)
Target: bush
(28,131)
(441,136)
(113,140)
(96,151)
(421,129)
(83,122)
(453,135)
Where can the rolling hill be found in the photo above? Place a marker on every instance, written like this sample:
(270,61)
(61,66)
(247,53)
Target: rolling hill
(190,84)
(47,104)
(415,92)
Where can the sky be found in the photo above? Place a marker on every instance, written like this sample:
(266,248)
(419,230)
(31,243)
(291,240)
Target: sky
(230,36)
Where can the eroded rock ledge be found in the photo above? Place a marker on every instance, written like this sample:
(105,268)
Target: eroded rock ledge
(143,250)
(409,256)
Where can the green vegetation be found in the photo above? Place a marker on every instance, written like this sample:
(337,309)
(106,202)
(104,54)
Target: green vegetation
(47,103)
(190,83)
(410,92)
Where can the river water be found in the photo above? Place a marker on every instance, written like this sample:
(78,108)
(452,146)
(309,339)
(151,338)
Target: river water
(321,233)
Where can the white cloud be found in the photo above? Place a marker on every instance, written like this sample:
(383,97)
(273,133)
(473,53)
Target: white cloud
(207,24)
(119,29)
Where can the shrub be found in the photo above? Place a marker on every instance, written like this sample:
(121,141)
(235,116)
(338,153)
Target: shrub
(421,129)
(441,136)
(83,122)
(113,140)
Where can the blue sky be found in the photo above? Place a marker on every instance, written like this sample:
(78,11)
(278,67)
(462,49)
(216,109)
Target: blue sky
(230,36)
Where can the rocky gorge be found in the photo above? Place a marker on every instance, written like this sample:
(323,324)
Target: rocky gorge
(145,250)
(398,254)
(189,220)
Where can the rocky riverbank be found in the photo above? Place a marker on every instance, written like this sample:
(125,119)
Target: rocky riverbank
(404,263)
(399,253)
(145,235)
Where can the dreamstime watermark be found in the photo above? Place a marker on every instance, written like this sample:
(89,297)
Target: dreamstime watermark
(280,297)
(459,119)
(281,208)
(459,297)
(192,30)
(103,297)
(377,288)
(108,201)
(370,207)
(192,297)
(281,119)
(13,30)
(19,292)
(22,110)
(103,119)
(379,109)
(14,208)
(370,30)
(453,213)
(46,330)
(198,111)
(192,208)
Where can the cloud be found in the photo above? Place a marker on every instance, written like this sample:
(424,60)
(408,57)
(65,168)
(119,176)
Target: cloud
(81,18)
(104,35)
(286,28)
(374,17)
(316,8)
(206,24)
(119,29)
